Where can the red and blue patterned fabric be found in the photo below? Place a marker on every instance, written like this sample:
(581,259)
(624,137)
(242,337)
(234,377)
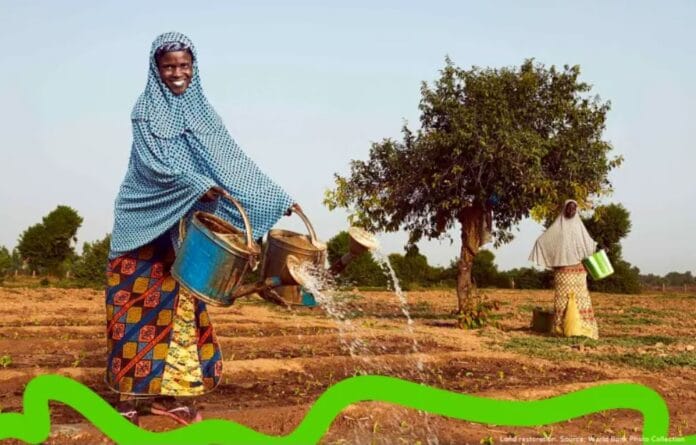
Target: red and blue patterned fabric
(141,302)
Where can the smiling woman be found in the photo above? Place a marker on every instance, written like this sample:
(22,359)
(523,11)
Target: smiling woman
(161,346)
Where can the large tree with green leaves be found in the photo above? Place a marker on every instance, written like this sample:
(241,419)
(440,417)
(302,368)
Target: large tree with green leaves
(90,267)
(49,243)
(493,143)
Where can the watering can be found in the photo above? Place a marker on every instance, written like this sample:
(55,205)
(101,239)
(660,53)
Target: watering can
(214,257)
(286,254)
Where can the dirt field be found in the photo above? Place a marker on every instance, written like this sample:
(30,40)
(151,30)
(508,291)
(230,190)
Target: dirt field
(277,362)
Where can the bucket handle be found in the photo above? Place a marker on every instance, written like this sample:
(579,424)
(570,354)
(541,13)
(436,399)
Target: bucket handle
(247,226)
(310,228)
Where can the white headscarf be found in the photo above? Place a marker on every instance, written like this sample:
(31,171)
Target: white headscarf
(565,243)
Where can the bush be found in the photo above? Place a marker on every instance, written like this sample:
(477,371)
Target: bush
(90,268)
(5,262)
(363,271)
(484,272)
(526,278)
(625,280)
(478,312)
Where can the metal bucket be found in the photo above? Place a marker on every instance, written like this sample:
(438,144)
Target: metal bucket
(598,265)
(214,256)
(281,244)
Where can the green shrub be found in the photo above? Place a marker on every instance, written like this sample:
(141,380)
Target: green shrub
(90,268)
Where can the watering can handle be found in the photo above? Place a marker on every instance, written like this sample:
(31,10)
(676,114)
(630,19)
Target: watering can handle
(245,218)
(310,228)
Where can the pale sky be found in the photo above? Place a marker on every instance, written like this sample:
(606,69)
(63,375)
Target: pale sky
(305,87)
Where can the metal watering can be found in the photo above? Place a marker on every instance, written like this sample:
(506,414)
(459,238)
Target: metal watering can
(286,252)
(215,256)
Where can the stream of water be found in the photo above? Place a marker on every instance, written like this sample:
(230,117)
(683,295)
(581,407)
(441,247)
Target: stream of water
(333,302)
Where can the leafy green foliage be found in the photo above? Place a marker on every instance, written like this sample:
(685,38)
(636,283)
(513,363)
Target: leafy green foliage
(624,280)
(504,143)
(5,261)
(5,361)
(484,272)
(362,271)
(90,268)
(478,312)
(526,135)
(608,226)
(526,278)
(413,269)
(486,275)
(672,279)
(47,245)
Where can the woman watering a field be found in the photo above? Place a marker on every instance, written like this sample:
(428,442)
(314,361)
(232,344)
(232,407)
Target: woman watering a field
(160,341)
(563,246)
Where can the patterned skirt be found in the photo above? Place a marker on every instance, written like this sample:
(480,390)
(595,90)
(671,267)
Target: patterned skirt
(573,280)
(159,339)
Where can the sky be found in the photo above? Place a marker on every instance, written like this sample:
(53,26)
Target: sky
(306,87)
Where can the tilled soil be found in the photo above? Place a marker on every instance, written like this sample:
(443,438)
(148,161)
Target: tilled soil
(277,362)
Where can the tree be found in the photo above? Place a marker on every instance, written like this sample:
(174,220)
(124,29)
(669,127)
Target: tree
(48,244)
(484,272)
(362,271)
(5,262)
(90,268)
(527,278)
(608,225)
(498,144)
(412,269)
(679,279)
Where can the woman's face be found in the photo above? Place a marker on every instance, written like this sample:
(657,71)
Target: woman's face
(176,69)
(570,209)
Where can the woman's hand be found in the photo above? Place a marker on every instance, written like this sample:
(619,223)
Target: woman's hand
(214,193)
(295,207)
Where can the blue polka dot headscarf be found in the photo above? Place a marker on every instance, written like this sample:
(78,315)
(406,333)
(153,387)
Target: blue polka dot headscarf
(180,150)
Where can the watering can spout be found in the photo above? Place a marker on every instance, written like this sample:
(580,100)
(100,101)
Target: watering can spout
(359,242)
(259,286)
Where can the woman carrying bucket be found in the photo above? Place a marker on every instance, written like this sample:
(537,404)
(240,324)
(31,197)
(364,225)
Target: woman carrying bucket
(563,246)
(160,343)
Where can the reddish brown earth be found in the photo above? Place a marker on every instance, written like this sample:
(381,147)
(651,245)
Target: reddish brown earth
(278,361)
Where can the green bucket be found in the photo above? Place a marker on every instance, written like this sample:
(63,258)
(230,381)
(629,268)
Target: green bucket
(598,265)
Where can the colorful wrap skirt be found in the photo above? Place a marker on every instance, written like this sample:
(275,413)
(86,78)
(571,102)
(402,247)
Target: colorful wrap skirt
(159,339)
(573,280)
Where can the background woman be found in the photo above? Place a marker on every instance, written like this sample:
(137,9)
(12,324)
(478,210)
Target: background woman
(160,340)
(563,246)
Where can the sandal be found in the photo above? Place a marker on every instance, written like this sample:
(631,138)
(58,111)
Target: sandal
(129,412)
(184,414)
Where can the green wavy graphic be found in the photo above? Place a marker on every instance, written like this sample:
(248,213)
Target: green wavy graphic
(34,424)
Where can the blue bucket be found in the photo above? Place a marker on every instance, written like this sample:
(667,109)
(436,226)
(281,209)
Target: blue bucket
(214,256)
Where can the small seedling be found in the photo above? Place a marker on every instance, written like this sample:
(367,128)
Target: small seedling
(487,440)
(5,361)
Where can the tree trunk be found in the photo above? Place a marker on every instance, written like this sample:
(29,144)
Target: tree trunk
(470,219)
